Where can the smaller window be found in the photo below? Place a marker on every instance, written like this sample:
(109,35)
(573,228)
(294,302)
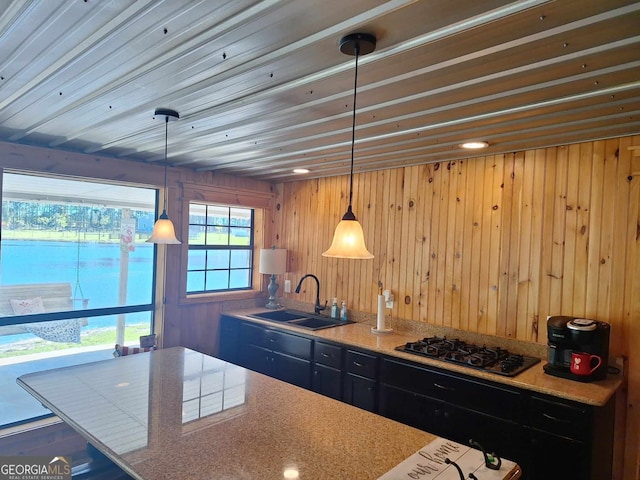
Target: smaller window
(220,248)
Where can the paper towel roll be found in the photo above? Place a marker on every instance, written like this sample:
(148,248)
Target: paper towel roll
(380,322)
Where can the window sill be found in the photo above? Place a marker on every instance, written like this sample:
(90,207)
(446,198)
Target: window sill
(220,297)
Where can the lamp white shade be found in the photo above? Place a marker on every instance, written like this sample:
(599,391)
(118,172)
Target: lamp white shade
(273,261)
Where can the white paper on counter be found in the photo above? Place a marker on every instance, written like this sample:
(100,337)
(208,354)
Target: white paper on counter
(428,462)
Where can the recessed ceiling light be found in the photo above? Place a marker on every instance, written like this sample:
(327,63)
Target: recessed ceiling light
(474,145)
(300,170)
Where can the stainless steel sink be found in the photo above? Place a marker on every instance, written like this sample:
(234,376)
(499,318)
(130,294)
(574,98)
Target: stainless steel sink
(309,321)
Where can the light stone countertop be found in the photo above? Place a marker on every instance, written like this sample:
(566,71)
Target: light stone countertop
(359,335)
(178,414)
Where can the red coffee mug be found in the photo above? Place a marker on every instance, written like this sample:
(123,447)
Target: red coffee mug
(581,363)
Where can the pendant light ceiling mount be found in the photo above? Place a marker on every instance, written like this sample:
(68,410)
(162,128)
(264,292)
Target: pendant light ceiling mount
(348,238)
(357,44)
(168,114)
(163,231)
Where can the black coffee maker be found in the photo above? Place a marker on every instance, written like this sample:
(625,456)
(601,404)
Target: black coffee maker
(567,335)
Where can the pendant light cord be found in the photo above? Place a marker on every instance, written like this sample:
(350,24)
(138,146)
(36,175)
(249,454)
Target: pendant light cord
(353,125)
(166,135)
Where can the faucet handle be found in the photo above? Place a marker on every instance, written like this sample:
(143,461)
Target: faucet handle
(320,308)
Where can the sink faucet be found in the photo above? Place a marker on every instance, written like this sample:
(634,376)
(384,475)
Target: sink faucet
(318,308)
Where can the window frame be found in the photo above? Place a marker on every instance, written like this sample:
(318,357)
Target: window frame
(263,205)
(222,247)
(88,312)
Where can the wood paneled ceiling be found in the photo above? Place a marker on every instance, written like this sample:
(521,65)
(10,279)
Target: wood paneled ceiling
(261,86)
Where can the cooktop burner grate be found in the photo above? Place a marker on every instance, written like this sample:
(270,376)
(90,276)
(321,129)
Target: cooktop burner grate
(495,360)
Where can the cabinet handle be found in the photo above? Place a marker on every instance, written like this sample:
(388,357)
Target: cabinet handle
(443,387)
(358,364)
(325,355)
(555,419)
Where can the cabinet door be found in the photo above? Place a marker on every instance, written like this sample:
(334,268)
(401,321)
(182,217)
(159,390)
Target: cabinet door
(292,370)
(416,410)
(327,381)
(556,458)
(360,392)
(257,359)
(228,347)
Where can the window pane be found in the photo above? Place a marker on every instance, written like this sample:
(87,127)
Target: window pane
(27,352)
(196,260)
(197,214)
(195,281)
(82,236)
(217,280)
(217,235)
(196,235)
(240,236)
(217,215)
(240,217)
(239,279)
(217,259)
(240,259)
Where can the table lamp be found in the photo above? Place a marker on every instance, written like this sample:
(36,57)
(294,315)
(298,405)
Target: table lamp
(273,261)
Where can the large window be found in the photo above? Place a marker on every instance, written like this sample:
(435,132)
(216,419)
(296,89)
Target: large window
(220,248)
(76,276)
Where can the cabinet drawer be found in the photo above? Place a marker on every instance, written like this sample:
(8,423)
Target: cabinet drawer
(329,355)
(361,364)
(289,344)
(469,393)
(251,334)
(276,340)
(560,418)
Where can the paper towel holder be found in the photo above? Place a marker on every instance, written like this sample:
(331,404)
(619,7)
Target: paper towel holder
(388,298)
(383,300)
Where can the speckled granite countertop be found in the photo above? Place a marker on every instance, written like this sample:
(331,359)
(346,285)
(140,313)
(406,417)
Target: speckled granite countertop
(360,335)
(177,414)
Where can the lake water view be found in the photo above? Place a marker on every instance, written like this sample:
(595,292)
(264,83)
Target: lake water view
(92,269)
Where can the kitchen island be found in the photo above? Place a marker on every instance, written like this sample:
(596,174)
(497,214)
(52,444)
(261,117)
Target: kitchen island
(178,414)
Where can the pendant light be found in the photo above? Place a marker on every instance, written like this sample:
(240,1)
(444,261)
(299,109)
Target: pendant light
(163,231)
(348,238)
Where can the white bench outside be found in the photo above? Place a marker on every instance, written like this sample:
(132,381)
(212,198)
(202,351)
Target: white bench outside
(56,297)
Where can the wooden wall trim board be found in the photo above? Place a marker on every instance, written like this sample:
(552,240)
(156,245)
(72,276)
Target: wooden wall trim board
(491,245)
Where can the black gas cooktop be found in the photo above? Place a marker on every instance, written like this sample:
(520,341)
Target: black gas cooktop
(490,359)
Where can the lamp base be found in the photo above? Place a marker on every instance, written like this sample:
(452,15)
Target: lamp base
(272,289)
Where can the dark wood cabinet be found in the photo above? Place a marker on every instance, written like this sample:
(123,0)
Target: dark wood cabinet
(228,340)
(549,437)
(327,369)
(276,353)
(583,433)
(528,428)
(360,380)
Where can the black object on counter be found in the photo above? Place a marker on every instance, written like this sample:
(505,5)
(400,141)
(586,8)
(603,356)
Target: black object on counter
(490,359)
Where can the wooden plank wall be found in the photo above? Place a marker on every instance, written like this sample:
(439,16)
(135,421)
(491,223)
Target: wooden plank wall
(490,245)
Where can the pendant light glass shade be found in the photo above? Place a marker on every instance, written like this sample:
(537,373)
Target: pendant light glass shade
(163,230)
(348,238)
